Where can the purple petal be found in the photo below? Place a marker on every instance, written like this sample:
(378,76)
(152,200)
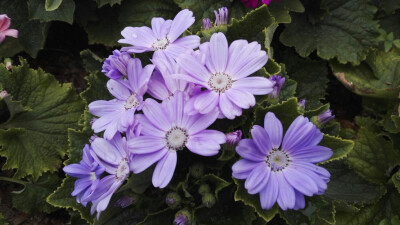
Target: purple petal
(77,170)
(269,194)
(273,126)
(143,161)
(106,151)
(190,41)
(202,145)
(219,51)
(193,67)
(228,109)
(145,144)
(262,139)
(160,27)
(165,170)
(235,56)
(257,179)
(175,108)
(201,122)
(242,168)
(248,149)
(300,181)
(118,90)
(286,197)
(300,201)
(313,168)
(300,134)
(182,21)
(241,98)
(206,102)
(213,135)
(254,85)
(157,88)
(101,107)
(155,113)
(112,128)
(138,36)
(148,128)
(312,154)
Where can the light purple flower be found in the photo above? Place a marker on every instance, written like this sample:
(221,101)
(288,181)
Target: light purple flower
(233,138)
(225,76)
(118,114)
(5,23)
(278,84)
(115,158)
(116,65)
(167,129)
(3,94)
(302,103)
(163,36)
(282,169)
(207,23)
(325,117)
(88,172)
(221,17)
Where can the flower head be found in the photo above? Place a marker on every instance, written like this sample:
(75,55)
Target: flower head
(182,217)
(224,76)
(88,172)
(3,94)
(118,114)
(233,138)
(325,117)
(116,65)
(163,36)
(278,84)
(207,23)
(166,129)
(280,168)
(5,23)
(221,17)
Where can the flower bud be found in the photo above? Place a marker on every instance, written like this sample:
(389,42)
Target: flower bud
(124,201)
(196,170)
(302,103)
(3,94)
(325,117)
(207,24)
(203,189)
(209,200)
(221,17)
(8,63)
(233,138)
(173,200)
(279,81)
(182,217)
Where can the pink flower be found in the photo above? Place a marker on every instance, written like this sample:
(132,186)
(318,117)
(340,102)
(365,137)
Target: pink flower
(256,3)
(4,25)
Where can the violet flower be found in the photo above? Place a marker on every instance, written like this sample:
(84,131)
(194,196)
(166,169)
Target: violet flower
(325,117)
(166,129)
(115,66)
(282,169)
(233,138)
(3,94)
(207,23)
(115,158)
(118,114)
(88,172)
(302,103)
(278,84)
(256,3)
(225,76)
(162,37)
(221,17)
(5,23)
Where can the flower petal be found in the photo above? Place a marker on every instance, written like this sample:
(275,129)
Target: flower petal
(193,67)
(204,145)
(206,102)
(218,51)
(138,36)
(248,149)
(257,179)
(269,194)
(286,198)
(118,90)
(273,126)
(241,98)
(165,170)
(145,144)
(228,109)
(242,168)
(182,21)
(156,115)
(201,122)
(300,181)
(106,151)
(190,41)
(261,138)
(143,161)
(312,154)
(254,85)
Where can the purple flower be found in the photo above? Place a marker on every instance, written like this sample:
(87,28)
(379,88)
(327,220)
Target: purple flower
(116,65)
(115,158)
(255,3)
(302,103)
(325,117)
(163,36)
(207,23)
(5,23)
(221,17)
(118,114)
(282,169)
(3,94)
(233,138)
(278,83)
(181,219)
(88,172)
(224,75)
(166,129)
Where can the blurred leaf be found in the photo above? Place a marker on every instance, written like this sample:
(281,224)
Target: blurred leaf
(216,182)
(340,147)
(396,180)
(349,27)
(3,221)
(138,183)
(52,5)
(390,23)
(91,61)
(390,5)
(280,9)
(35,141)
(63,12)
(164,217)
(102,3)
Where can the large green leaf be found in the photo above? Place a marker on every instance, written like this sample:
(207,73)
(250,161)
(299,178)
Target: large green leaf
(64,12)
(34,141)
(372,156)
(97,89)
(340,147)
(349,27)
(378,77)
(32,198)
(51,5)
(280,9)
(91,61)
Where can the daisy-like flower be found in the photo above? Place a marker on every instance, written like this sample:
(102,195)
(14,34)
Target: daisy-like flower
(166,129)
(88,172)
(5,23)
(282,169)
(163,36)
(116,65)
(118,114)
(225,76)
(115,158)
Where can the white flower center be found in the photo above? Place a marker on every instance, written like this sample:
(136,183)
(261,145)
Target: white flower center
(278,160)
(220,82)
(122,169)
(93,176)
(161,44)
(176,138)
(131,102)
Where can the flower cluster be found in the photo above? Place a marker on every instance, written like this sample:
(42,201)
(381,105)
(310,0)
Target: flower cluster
(191,86)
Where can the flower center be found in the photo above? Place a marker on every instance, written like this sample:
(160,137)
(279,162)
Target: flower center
(220,82)
(122,169)
(161,44)
(176,138)
(278,160)
(131,102)
(93,176)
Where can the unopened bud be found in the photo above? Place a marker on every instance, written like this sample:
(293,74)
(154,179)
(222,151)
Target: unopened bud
(233,138)
(325,117)
(302,103)
(209,200)
(125,201)
(278,84)
(3,94)
(173,200)
(196,170)
(206,23)
(182,217)
(203,189)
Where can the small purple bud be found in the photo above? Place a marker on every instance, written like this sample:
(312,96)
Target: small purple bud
(3,94)
(124,202)
(181,219)
(279,81)
(221,17)
(115,66)
(325,117)
(302,103)
(233,138)
(206,23)
(92,138)
(173,200)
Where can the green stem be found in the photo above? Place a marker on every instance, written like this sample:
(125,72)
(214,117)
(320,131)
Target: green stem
(13,180)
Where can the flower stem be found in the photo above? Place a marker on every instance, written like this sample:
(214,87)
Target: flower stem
(13,180)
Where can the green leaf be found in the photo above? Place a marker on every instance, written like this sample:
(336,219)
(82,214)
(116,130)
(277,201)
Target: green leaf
(3,220)
(253,201)
(9,47)
(102,3)
(390,5)
(97,89)
(340,147)
(138,183)
(91,61)
(164,217)
(390,23)
(396,180)
(372,156)
(280,9)
(32,198)
(345,185)
(35,141)
(349,27)
(52,5)
(387,45)
(251,27)
(378,77)
(65,12)
(216,182)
